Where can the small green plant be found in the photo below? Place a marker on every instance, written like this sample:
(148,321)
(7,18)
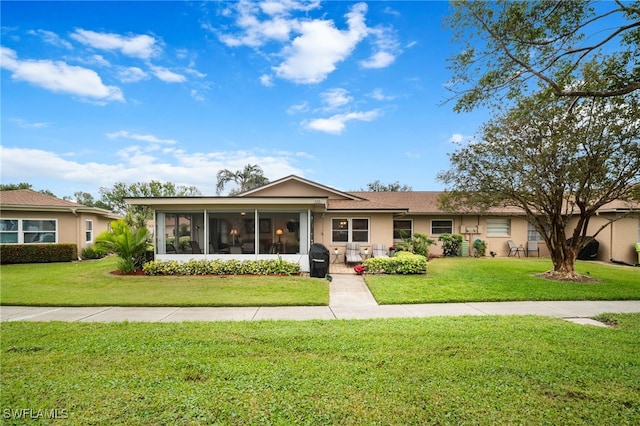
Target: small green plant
(402,263)
(128,242)
(418,244)
(451,244)
(480,247)
(95,251)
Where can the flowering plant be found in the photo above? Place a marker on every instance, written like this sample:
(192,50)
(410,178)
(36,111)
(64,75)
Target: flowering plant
(359,269)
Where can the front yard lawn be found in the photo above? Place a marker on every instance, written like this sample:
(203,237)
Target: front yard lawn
(90,283)
(463,370)
(503,279)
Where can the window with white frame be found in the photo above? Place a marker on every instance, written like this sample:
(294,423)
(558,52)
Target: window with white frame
(88,231)
(402,229)
(24,231)
(441,226)
(499,227)
(355,230)
(533,234)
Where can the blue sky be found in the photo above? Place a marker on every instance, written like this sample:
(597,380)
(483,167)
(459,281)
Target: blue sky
(342,93)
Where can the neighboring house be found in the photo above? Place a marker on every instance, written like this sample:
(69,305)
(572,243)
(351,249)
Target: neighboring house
(284,217)
(29,217)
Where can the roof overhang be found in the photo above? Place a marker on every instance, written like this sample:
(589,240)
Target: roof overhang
(227,202)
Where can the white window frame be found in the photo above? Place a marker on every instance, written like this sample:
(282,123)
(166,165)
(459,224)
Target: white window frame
(410,228)
(21,231)
(499,227)
(350,229)
(88,231)
(431,230)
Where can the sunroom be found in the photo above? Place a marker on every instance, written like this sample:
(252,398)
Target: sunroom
(233,227)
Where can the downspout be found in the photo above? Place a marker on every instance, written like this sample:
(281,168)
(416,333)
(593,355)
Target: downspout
(79,251)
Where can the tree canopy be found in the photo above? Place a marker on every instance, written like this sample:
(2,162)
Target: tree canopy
(576,48)
(248,178)
(554,158)
(113,198)
(377,186)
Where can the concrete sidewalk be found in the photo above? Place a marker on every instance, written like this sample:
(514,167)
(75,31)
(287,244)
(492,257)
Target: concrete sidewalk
(349,298)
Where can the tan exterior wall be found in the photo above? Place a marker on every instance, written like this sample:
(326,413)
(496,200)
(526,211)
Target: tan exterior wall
(70,228)
(617,241)
(295,189)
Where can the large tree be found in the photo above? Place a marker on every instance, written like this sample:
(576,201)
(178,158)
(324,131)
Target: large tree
(248,178)
(113,198)
(576,48)
(377,186)
(557,159)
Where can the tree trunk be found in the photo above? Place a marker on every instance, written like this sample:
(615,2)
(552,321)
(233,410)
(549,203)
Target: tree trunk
(564,264)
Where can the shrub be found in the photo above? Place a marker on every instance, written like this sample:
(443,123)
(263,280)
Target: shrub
(95,251)
(128,242)
(418,244)
(37,253)
(402,263)
(451,244)
(480,247)
(222,267)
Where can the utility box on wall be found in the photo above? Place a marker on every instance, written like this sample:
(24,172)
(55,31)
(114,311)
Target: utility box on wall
(474,229)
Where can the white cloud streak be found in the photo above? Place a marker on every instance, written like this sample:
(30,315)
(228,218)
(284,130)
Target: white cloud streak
(60,77)
(138,46)
(336,124)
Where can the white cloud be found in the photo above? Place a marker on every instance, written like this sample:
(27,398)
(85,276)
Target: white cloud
(266,81)
(378,95)
(313,55)
(136,165)
(298,108)
(124,134)
(138,46)
(60,77)
(378,60)
(51,38)
(335,98)
(458,138)
(131,74)
(29,125)
(167,75)
(336,124)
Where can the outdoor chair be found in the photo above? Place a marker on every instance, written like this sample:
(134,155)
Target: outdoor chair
(514,249)
(352,253)
(533,246)
(379,250)
(195,247)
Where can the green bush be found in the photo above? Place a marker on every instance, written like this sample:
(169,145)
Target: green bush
(37,253)
(128,242)
(402,263)
(451,244)
(95,251)
(222,267)
(418,244)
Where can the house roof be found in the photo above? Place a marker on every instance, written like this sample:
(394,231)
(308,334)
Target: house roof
(26,199)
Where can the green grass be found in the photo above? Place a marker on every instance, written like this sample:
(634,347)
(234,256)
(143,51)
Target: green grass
(90,283)
(463,370)
(502,279)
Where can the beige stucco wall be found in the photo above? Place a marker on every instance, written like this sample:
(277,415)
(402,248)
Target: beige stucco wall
(70,227)
(617,241)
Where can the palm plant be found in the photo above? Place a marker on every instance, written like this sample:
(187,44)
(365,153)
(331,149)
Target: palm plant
(128,242)
(248,178)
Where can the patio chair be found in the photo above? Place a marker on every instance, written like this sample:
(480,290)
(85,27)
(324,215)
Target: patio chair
(379,250)
(195,247)
(514,249)
(533,246)
(352,253)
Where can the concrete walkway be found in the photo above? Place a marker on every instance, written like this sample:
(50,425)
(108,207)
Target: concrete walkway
(349,298)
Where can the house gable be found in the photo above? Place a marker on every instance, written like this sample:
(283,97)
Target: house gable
(294,186)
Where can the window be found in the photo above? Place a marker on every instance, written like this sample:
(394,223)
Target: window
(88,231)
(22,231)
(441,226)
(533,234)
(498,227)
(9,231)
(350,230)
(402,229)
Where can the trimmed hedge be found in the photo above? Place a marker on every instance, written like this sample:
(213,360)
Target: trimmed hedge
(37,253)
(402,263)
(221,267)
